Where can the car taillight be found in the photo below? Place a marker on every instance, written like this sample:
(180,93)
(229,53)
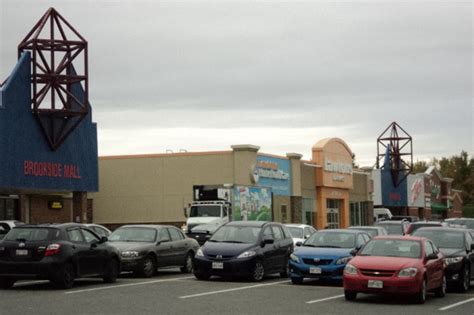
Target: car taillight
(52,249)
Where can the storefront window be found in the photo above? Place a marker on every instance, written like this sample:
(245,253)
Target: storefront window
(308,211)
(9,209)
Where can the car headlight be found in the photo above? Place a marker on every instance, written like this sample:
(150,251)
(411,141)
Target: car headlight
(199,253)
(408,272)
(295,258)
(343,260)
(453,260)
(247,254)
(130,253)
(350,269)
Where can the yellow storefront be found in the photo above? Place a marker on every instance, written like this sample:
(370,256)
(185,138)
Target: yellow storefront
(333,180)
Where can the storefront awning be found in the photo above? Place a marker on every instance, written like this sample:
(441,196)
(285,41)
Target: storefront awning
(438,207)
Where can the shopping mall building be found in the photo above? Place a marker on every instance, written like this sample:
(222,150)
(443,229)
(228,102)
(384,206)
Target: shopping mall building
(156,188)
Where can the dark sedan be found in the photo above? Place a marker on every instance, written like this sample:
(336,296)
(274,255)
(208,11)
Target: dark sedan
(58,252)
(457,246)
(145,248)
(250,249)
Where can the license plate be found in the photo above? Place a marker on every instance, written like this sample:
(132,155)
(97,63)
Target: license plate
(377,284)
(315,271)
(21,252)
(217,265)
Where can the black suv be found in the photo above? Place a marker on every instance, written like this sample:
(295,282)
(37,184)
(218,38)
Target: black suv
(245,248)
(457,246)
(57,252)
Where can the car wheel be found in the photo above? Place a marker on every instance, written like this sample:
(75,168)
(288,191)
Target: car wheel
(465,279)
(421,296)
(188,264)
(258,271)
(202,276)
(65,277)
(148,267)
(350,295)
(112,271)
(286,272)
(6,283)
(296,280)
(441,291)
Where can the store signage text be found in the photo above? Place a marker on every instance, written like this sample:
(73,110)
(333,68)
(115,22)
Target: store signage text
(48,169)
(337,167)
(394,196)
(269,170)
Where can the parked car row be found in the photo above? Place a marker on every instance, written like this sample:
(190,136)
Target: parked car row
(366,259)
(63,252)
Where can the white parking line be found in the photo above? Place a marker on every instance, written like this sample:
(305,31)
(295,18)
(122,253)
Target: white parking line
(455,304)
(234,289)
(126,285)
(325,299)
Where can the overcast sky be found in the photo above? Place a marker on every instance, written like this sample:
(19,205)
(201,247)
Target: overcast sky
(203,75)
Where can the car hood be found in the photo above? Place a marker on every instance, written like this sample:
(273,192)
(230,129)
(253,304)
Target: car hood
(383,263)
(135,246)
(453,252)
(225,249)
(306,251)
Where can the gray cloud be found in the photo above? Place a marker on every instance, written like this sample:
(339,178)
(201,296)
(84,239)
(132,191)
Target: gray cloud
(278,65)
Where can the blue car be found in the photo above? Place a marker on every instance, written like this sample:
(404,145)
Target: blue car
(325,254)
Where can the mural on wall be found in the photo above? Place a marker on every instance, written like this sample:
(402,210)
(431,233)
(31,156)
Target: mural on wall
(273,172)
(252,203)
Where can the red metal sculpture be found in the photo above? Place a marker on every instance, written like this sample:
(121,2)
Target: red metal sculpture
(399,145)
(59,93)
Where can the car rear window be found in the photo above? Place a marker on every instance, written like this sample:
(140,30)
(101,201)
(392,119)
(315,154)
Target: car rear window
(392,229)
(32,234)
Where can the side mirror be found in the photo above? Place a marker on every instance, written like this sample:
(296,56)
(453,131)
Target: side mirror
(432,256)
(472,246)
(103,239)
(186,211)
(267,239)
(354,251)
(299,244)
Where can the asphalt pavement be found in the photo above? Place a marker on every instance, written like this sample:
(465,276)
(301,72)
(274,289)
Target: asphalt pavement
(172,292)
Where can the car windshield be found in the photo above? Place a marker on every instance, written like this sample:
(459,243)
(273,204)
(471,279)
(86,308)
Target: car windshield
(133,234)
(296,232)
(467,223)
(392,248)
(443,239)
(32,234)
(331,239)
(236,234)
(372,232)
(392,229)
(205,211)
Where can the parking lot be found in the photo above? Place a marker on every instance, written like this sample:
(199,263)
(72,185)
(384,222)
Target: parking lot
(172,292)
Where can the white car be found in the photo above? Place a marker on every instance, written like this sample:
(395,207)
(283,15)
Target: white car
(300,232)
(6,226)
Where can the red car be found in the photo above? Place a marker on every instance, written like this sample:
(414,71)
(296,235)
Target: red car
(396,265)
